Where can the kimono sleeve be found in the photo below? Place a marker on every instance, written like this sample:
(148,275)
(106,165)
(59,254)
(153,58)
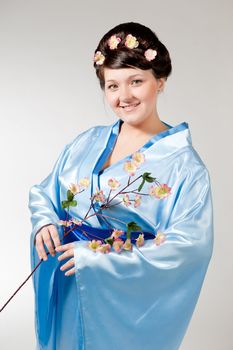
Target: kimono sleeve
(44,198)
(189,229)
(154,287)
(44,204)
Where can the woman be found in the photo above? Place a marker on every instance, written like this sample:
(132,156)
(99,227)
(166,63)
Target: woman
(140,294)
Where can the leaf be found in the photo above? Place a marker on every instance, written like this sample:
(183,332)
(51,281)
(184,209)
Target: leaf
(146,178)
(128,235)
(142,184)
(150,179)
(70,195)
(109,240)
(145,174)
(132,226)
(65,204)
(73,203)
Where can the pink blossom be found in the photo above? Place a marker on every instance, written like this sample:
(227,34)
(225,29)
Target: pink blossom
(94,244)
(140,240)
(130,167)
(128,245)
(113,42)
(99,195)
(116,233)
(138,158)
(137,200)
(131,41)
(76,221)
(99,58)
(126,200)
(118,245)
(74,188)
(159,238)
(64,223)
(160,192)
(84,182)
(150,54)
(104,248)
(113,183)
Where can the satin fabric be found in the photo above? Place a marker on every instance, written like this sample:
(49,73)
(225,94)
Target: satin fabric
(140,299)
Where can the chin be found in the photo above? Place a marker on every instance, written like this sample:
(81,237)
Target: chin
(131,120)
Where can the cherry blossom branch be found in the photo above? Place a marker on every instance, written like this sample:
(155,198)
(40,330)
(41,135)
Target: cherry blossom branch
(71,202)
(21,285)
(64,235)
(106,206)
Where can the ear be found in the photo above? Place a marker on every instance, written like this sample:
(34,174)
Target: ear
(161,83)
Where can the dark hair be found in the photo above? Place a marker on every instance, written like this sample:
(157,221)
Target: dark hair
(123,57)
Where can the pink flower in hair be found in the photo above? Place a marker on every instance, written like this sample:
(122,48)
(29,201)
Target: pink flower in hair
(113,42)
(131,41)
(150,54)
(99,58)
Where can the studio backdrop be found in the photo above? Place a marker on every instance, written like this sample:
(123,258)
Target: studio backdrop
(49,94)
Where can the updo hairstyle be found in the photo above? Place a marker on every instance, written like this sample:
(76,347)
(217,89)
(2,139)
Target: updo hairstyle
(124,57)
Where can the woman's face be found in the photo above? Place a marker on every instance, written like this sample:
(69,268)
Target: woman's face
(132,93)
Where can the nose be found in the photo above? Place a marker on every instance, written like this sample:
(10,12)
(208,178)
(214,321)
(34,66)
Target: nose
(125,94)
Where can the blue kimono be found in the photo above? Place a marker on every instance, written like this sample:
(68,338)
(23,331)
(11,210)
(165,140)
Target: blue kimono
(139,299)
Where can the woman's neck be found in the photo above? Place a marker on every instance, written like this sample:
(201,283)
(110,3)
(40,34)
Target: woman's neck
(147,128)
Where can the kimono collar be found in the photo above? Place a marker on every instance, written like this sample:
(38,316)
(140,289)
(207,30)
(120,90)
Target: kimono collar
(165,142)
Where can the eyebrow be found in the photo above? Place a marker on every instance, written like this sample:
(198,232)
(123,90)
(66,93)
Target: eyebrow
(131,76)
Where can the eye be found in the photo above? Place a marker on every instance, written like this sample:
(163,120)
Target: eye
(137,80)
(113,86)
(110,86)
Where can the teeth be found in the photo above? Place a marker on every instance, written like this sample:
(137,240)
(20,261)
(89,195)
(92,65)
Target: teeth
(130,105)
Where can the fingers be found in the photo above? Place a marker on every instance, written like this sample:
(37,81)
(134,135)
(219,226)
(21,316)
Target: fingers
(47,240)
(65,247)
(67,265)
(70,272)
(40,247)
(68,252)
(48,236)
(54,234)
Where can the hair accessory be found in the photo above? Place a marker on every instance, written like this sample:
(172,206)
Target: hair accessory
(99,58)
(150,54)
(113,42)
(131,42)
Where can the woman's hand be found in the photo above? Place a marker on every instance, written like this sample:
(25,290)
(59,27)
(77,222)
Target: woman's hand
(68,252)
(48,236)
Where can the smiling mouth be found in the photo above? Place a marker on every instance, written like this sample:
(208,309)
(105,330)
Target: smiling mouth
(130,107)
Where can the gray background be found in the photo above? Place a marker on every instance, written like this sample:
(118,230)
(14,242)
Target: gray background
(49,93)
